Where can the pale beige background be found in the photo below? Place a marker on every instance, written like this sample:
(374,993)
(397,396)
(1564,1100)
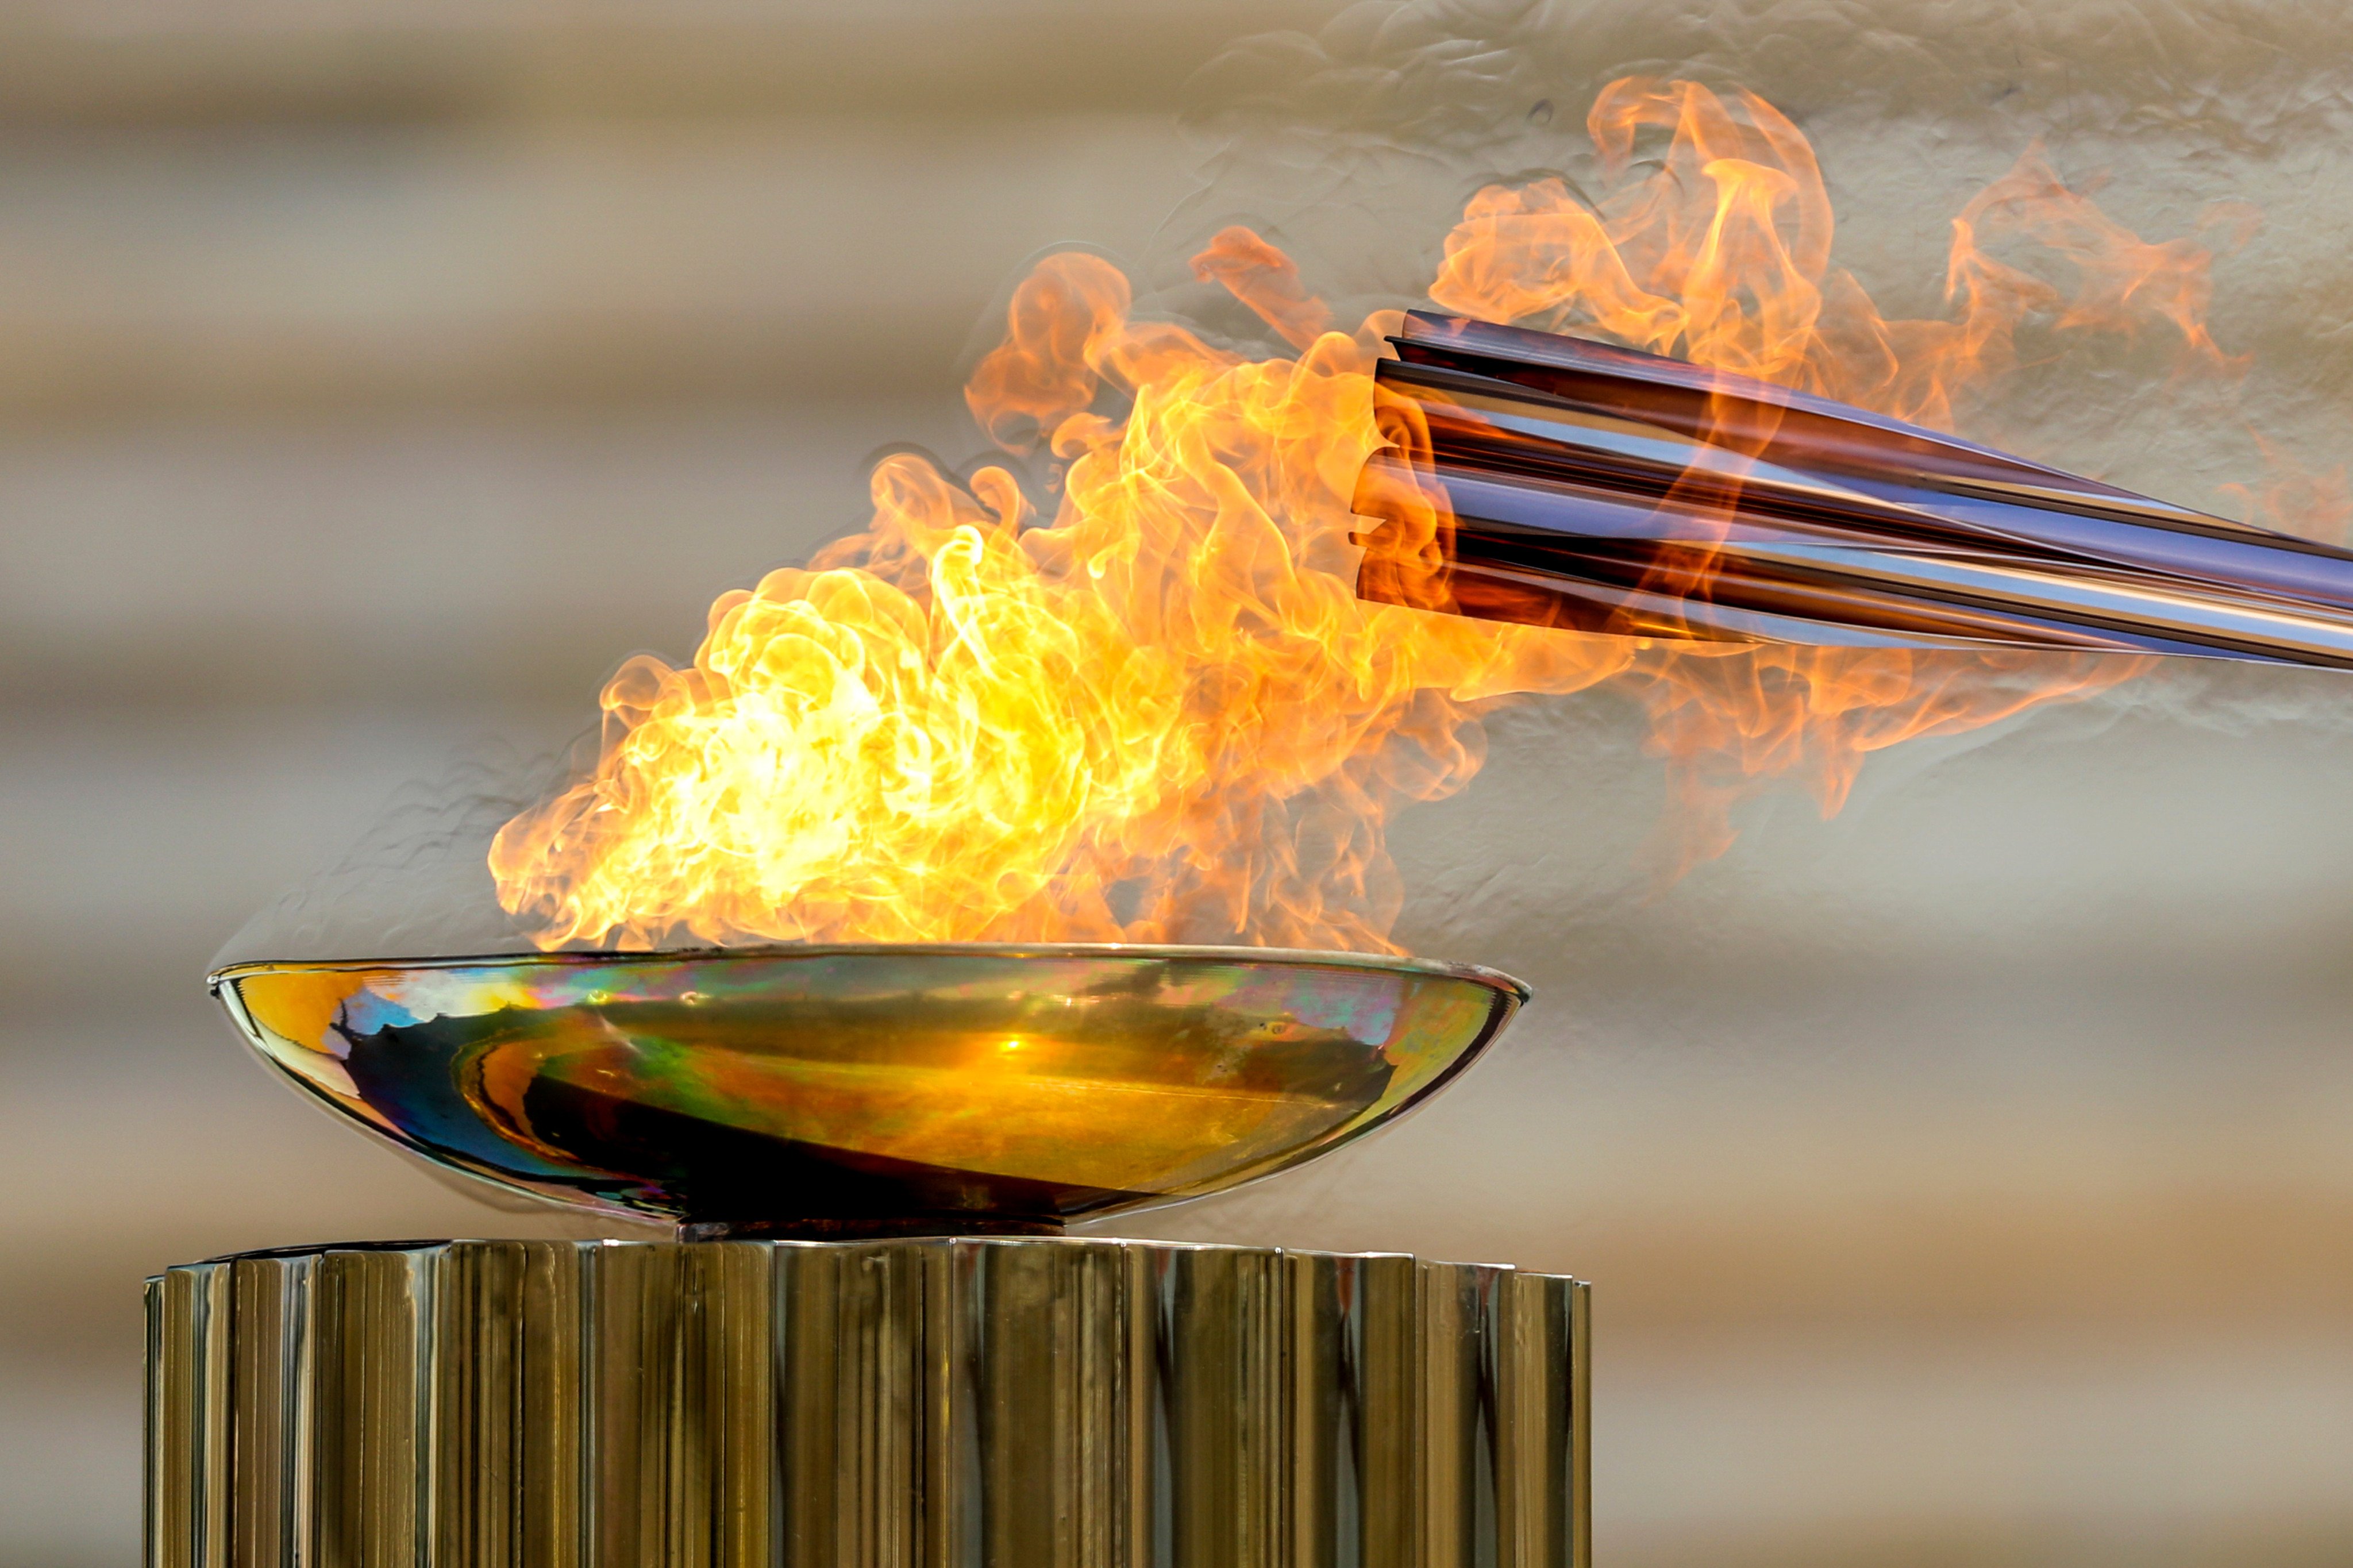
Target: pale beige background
(1967,1180)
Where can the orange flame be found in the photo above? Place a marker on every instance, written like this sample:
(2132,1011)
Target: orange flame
(2294,499)
(1162,713)
(1720,255)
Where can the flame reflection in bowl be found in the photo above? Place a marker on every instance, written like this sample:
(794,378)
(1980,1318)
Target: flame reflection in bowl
(833,1090)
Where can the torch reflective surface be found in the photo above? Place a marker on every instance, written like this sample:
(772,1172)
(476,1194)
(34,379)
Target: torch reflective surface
(1598,488)
(832,1090)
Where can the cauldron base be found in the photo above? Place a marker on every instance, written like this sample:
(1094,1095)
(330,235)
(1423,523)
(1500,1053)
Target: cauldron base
(863,1405)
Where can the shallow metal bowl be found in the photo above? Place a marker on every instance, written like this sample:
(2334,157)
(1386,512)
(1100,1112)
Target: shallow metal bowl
(871,1089)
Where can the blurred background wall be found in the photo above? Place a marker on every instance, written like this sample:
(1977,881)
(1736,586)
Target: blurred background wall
(1967,1179)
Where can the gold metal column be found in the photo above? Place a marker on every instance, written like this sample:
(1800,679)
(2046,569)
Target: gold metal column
(1013,1403)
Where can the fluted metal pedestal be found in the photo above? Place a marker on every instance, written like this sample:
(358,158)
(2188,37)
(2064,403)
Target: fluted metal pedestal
(1029,1403)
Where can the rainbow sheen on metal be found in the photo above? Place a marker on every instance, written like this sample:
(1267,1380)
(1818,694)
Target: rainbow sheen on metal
(871,1091)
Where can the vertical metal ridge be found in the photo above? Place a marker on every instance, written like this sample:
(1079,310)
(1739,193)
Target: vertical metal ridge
(1535,1364)
(553,1425)
(190,1404)
(477,1495)
(631,1395)
(852,1403)
(154,1460)
(1035,1342)
(505,1397)
(1580,1423)
(1354,1444)
(1385,1340)
(975,1403)
(726,1381)
(1317,1415)
(1451,1344)
(947,1462)
(1219,1362)
(261,1308)
(365,1494)
(1144,1449)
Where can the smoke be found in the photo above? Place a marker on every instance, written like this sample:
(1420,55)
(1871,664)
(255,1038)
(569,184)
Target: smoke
(418,884)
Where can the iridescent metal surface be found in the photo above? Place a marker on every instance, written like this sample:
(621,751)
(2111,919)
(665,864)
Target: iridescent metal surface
(871,1090)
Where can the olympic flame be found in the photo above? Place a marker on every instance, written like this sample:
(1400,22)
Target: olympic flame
(1152,708)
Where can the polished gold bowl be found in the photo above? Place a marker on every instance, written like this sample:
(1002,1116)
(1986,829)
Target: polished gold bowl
(871,1089)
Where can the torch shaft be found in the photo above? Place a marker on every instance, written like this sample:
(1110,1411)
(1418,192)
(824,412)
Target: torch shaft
(1600,488)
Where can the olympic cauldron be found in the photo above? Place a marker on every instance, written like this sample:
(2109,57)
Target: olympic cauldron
(864,1090)
(870,1343)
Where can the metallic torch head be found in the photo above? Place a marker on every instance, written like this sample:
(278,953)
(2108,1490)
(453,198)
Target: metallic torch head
(1549,479)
